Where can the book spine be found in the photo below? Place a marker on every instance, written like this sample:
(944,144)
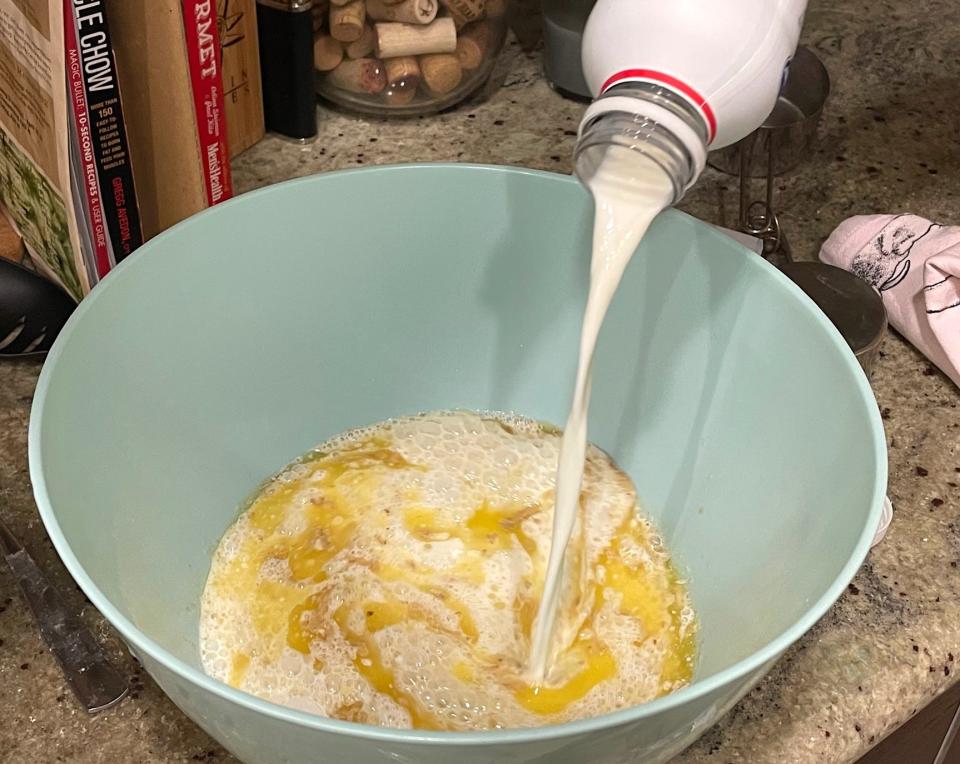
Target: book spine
(111,148)
(203,54)
(240,72)
(90,181)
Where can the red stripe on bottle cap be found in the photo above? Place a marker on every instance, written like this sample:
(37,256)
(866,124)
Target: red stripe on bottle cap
(671,82)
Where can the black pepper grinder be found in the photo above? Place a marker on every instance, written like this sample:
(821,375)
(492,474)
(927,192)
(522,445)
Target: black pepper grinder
(285,29)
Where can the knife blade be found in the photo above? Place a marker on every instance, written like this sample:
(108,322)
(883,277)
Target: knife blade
(90,674)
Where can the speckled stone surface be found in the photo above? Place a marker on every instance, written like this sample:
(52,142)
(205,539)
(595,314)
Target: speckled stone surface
(888,143)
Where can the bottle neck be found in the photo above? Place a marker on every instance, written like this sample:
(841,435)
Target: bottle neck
(650,119)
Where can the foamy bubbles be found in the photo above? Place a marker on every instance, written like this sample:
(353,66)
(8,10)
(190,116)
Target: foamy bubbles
(391,577)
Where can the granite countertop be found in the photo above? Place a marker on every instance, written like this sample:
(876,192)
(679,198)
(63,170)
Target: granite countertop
(888,143)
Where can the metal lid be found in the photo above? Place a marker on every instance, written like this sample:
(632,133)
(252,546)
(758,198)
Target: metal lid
(849,302)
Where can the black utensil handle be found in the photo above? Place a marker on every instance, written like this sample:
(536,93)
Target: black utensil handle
(93,679)
(285,31)
(33,310)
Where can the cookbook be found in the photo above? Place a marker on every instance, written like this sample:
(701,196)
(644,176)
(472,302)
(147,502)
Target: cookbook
(85,159)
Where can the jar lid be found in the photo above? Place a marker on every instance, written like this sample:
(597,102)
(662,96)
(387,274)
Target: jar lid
(849,302)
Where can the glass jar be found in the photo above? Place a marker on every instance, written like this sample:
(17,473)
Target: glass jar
(384,57)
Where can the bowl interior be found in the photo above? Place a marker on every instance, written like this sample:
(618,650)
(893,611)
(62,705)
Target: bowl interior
(244,336)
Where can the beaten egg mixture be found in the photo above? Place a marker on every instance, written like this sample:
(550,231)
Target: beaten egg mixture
(391,576)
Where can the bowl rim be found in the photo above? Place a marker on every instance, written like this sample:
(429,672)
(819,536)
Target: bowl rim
(140,642)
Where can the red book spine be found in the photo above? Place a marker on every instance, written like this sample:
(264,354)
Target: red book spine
(81,116)
(203,52)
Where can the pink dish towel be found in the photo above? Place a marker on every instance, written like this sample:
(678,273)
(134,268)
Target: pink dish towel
(915,266)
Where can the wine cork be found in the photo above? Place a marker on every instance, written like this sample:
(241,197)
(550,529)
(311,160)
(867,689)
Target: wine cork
(363,45)
(494,9)
(403,79)
(473,44)
(359,75)
(395,39)
(464,11)
(406,11)
(399,97)
(441,72)
(327,53)
(346,21)
(340,2)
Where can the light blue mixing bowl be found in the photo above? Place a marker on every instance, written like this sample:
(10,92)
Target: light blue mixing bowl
(239,339)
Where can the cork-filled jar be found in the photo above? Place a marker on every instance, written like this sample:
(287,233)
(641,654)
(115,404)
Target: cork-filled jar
(405,57)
